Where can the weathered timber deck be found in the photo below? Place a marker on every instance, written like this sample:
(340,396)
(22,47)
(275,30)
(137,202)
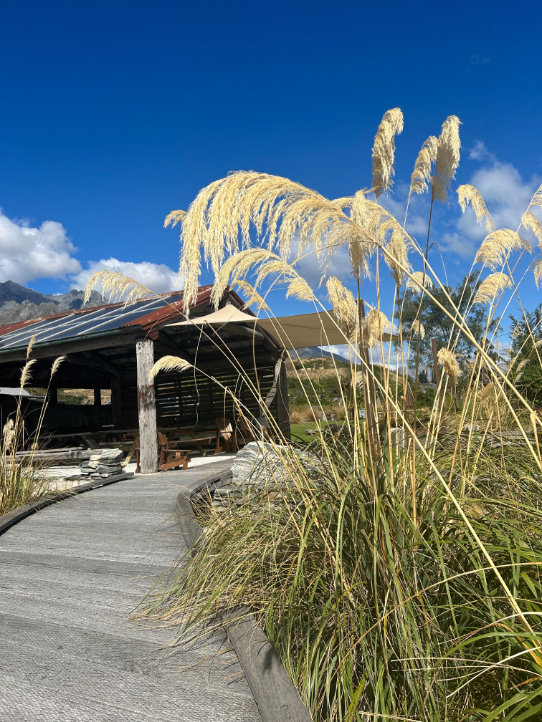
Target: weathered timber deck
(69,578)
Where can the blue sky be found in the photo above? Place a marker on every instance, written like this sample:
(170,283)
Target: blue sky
(115,113)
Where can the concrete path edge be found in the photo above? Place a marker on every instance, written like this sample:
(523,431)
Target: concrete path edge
(14,517)
(274,692)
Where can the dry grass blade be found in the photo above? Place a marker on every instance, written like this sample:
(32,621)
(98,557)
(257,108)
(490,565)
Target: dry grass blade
(497,245)
(419,280)
(384,150)
(421,174)
(469,194)
(116,286)
(167,364)
(174,217)
(447,159)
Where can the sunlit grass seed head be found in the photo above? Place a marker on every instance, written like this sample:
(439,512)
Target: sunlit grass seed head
(9,434)
(497,245)
(491,286)
(448,156)
(116,286)
(449,364)
(531,222)
(25,373)
(56,365)
(384,150)
(168,364)
(468,194)
(345,308)
(421,174)
(174,217)
(418,281)
(417,329)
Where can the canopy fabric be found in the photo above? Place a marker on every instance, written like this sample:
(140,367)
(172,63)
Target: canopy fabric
(307,329)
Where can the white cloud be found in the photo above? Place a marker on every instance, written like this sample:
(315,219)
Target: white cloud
(156,276)
(28,252)
(507,196)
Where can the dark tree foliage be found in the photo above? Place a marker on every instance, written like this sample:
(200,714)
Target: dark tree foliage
(527,333)
(438,325)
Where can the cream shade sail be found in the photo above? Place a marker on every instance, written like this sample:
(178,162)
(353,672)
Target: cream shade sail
(307,329)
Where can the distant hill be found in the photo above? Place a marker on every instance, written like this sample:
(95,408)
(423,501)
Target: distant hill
(314,352)
(18,303)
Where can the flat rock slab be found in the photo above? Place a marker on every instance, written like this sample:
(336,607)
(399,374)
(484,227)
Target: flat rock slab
(70,576)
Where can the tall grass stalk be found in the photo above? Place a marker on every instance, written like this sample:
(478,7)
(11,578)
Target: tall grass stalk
(395,564)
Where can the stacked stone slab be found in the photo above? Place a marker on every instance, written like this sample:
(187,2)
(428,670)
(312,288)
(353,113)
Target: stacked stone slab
(103,464)
(257,466)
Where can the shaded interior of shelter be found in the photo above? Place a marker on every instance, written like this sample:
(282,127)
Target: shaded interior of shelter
(100,349)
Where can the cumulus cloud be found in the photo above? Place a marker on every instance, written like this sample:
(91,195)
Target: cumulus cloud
(28,252)
(156,276)
(507,196)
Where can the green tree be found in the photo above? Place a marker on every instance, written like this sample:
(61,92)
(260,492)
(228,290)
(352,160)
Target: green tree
(438,325)
(526,369)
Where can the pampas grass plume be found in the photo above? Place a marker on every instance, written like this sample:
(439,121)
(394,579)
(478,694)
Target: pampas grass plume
(449,364)
(417,281)
(447,159)
(174,217)
(469,194)
(56,365)
(531,222)
(384,150)
(116,286)
(490,286)
(497,245)
(417,328)
(169,363)
(422,167)
(345,308)
(25,373)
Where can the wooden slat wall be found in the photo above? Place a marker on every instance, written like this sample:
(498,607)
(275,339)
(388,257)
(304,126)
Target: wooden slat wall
(190,399)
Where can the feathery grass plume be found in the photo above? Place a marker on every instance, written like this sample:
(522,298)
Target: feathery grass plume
(253,296)
(490,286)
(116,286)
(9,434)
(417,329)
(421,174)
(25,373)
(449,364)
(221,217)
(29,348)
(343,203)
(384,150)
(362,245)
(537,272)
(345,308)
(174,217)
(235,268)
(372,327)
(417,281)
(531,222)
(537,198)
(496,246)
(168,363)
(299,288)
(519,370)
(469,194)
(397,257)
(447,161)
(56,364)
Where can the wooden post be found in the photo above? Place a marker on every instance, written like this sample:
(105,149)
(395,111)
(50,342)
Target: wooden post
(283,403)
(97,397)
(146,403)
(116,402)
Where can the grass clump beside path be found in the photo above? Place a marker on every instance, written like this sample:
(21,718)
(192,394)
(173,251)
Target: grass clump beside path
(396,563)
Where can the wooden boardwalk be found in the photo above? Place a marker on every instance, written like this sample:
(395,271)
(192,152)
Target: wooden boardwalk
(69,578)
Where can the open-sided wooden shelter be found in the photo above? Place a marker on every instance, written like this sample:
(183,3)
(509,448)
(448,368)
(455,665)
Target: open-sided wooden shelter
(115,346)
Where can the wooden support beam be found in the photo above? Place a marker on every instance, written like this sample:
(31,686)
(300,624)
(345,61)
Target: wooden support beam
(146,402)
(116,402)
(283,403)
(94,360)
(62,348)
(97,397)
